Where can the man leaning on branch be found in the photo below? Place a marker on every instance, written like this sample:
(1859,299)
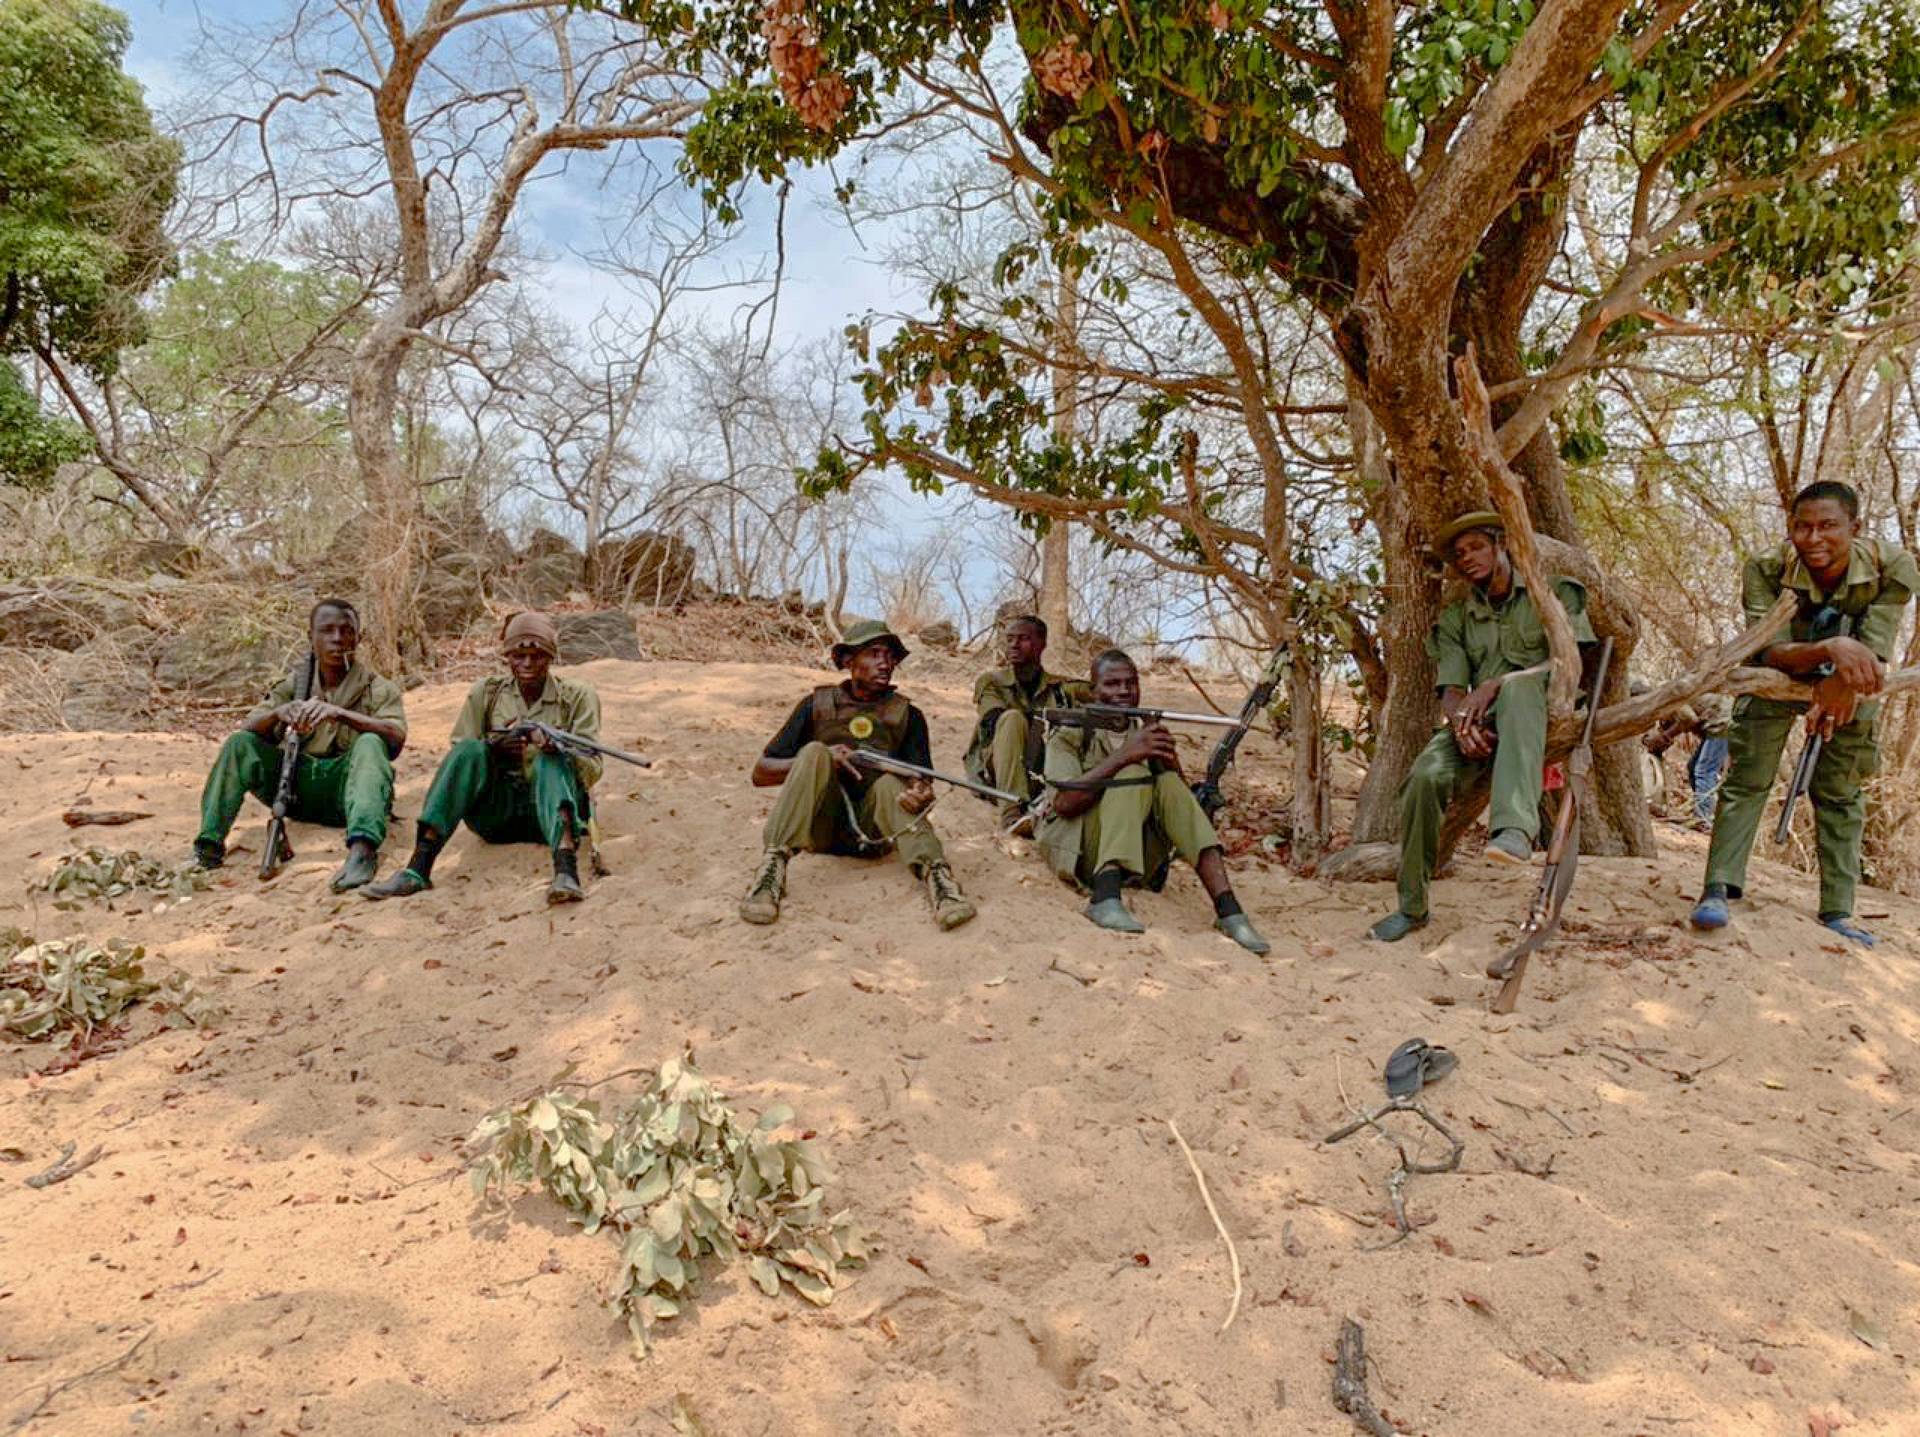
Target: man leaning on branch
(1851,595)
(1117,810)
(508,785)
(1006,740)
(1496,716)
(352,727)
(829,803)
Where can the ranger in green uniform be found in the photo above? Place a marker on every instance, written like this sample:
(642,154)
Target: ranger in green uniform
(354,727)
(1831,571)
(1006,747)
(1117,810)
(1492,633)
(506,788)
(829,804)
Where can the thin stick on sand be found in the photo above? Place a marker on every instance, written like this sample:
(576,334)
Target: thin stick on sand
(1233,1253)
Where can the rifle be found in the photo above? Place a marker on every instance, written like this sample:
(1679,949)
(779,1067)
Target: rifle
(275,855)
(571,745)
(1563,856)
(887,763)
(1120,717)
(1828,623)
(1207,790)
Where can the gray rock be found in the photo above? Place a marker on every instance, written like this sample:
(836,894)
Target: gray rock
(597,634)
(224,660)
(648,568)
(64,613)
(452,594)
(941,635)
(105,689)
(543,580)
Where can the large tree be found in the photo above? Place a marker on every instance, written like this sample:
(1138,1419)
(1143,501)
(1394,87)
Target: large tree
(1405,169)
(85,184)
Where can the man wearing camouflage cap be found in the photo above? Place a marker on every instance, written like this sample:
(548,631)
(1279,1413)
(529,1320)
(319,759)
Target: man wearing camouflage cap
(828,803)
(506,787)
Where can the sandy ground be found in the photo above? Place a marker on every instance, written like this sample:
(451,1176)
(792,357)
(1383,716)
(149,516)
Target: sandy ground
(278,1239)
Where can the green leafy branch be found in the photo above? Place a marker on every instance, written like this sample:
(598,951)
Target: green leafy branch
(76,985)
(679,1176)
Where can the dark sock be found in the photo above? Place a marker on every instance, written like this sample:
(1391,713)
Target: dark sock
(1225,905)
(1713,890)
(565,861)
(1829,917)
(1107,883)
(426,847)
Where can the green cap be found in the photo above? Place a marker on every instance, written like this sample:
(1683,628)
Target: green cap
(868,631)
(1454,528)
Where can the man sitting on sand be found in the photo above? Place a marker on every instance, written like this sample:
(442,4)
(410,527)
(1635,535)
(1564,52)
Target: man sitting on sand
(1493,718)
(1006,748)
(353,726)
(829,803)
(1839,579)
(508,787)
(1117,810)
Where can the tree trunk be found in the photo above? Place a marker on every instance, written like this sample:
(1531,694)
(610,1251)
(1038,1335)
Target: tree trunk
(392,559)
(1055,546)
(1312,796)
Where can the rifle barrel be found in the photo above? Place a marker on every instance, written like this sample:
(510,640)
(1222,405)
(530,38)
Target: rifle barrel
(1102,715)
(887,763)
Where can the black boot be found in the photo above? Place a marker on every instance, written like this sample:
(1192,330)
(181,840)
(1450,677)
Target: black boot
(209,853)
(565,887)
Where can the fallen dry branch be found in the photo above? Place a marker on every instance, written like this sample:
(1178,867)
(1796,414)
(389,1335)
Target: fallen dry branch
(1233,1253)
(1407,1168)
(1350,1380)
(55,1389)
(104,818)
(65,1167)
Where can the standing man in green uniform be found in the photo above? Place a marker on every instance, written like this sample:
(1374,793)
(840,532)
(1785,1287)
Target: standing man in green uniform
(828,803)
(507,788)
(1835,575)
(354,726)
(1005,749)
(1492,719)
(1117,810)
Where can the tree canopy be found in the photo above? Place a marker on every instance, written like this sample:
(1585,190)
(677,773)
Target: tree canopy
(85,185)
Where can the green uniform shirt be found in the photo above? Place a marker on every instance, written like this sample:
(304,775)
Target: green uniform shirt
(1000,690)
(1880,579)
(1478,639)
(362,690)
(494,704)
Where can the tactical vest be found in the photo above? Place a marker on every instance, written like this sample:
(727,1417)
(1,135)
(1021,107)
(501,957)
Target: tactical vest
(838,717)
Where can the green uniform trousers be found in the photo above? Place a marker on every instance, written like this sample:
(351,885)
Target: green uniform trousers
(1442,773)
(1754,744)
(351,790)
(1137,827)
(815,814)
(1007,767)
(475,786)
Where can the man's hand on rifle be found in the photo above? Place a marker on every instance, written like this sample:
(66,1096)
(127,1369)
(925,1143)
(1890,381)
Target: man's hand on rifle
(917,796)
(843,759)
(1834,705)
(306,715)
(537,740)
(1855,665)
(1150,745)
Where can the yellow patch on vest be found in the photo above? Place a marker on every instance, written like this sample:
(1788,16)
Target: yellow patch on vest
(861,727)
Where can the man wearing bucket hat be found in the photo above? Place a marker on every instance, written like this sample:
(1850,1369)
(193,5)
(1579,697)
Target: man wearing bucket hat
(828,803)
(1494,718)
(506,788)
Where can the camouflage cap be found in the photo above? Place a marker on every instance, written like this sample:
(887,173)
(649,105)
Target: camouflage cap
(867,631)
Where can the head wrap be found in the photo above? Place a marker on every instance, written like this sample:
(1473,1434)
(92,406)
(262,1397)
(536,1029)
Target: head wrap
(531,629)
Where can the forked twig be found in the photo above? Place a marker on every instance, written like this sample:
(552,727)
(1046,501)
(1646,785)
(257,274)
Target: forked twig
(1397,1179)
(1233,1253)
(1350,1380)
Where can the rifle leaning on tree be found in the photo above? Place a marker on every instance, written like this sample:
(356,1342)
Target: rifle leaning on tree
(1563,856)
(1207,790)
(887,763)
(1828,623)
(569,745)
(277,851)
